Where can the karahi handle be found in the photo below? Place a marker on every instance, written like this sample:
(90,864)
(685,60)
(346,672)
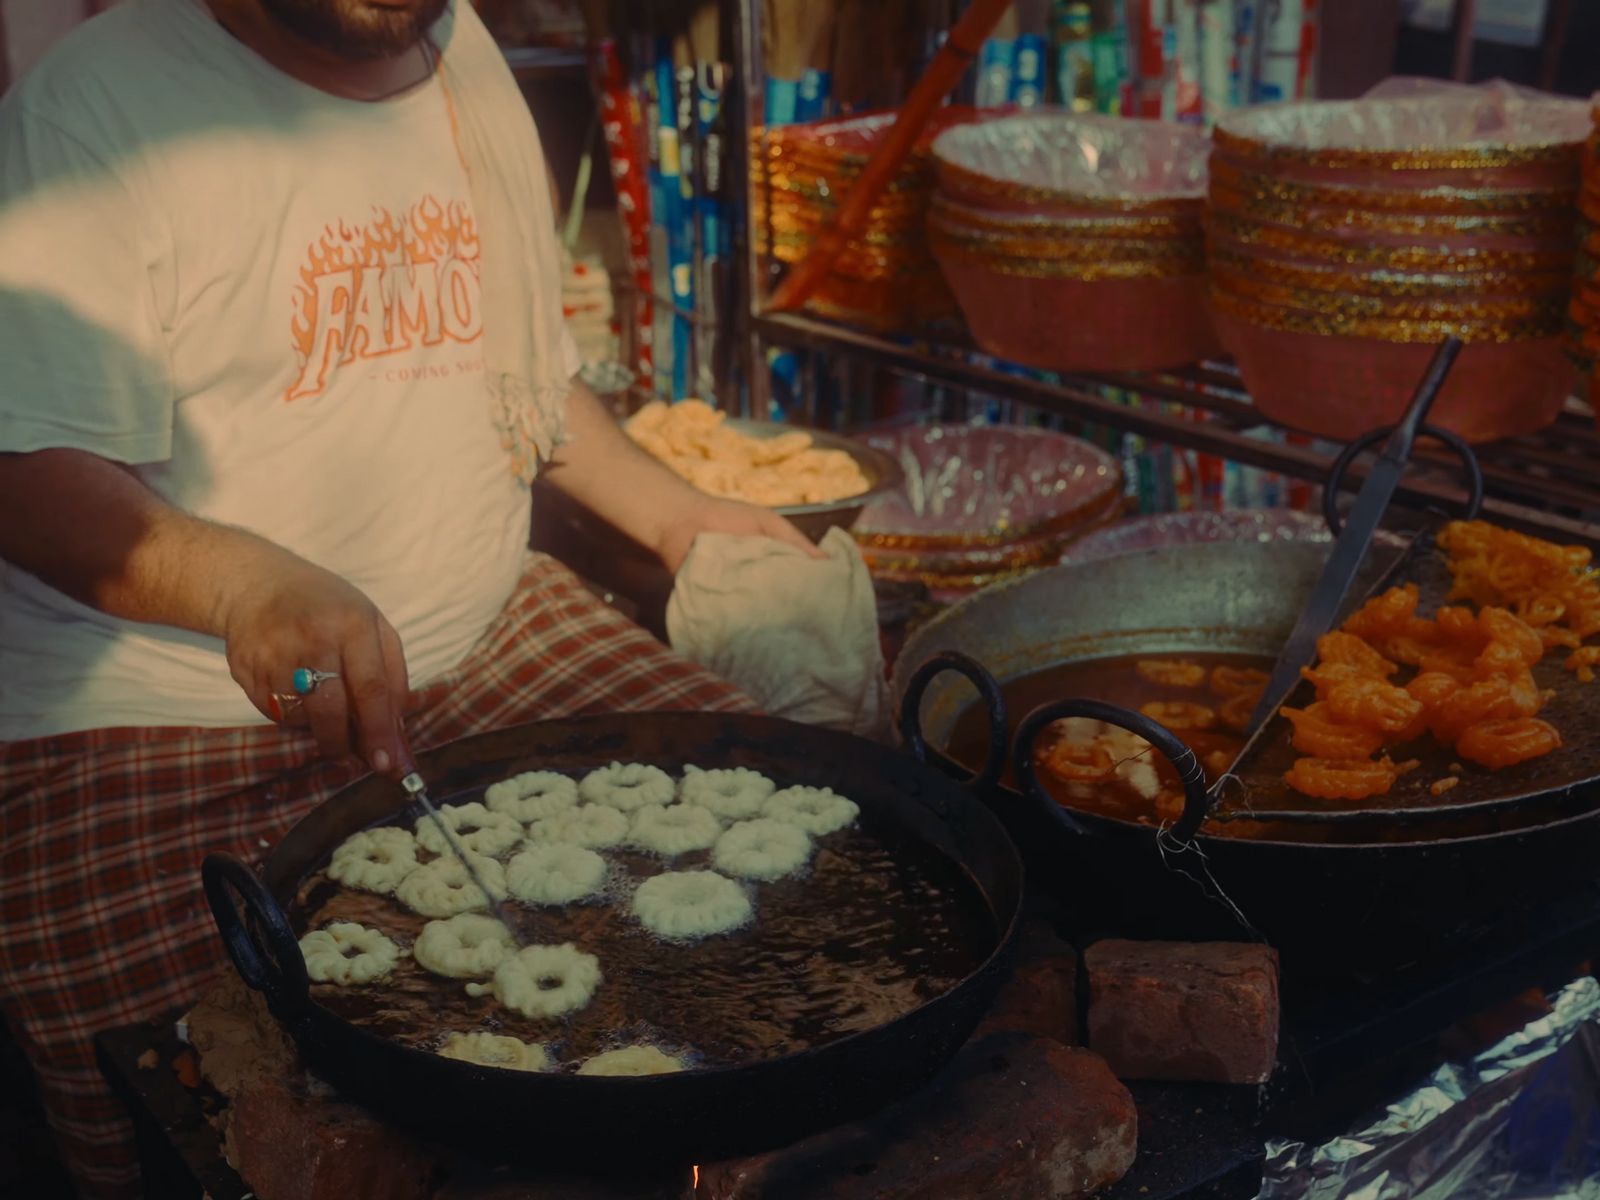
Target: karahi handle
(1196,804)
(994,704)
(276,969)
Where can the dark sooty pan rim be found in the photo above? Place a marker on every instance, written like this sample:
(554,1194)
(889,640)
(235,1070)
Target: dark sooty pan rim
(1003,925)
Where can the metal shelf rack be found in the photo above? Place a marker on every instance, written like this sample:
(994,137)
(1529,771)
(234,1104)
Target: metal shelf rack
(1547,483)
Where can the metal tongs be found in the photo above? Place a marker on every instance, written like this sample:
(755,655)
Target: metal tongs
(418,790)
(1350,547)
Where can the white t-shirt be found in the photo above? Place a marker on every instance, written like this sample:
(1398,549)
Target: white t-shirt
(266,300)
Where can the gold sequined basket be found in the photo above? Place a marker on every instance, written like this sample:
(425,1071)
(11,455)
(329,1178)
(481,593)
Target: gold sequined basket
(1345,239)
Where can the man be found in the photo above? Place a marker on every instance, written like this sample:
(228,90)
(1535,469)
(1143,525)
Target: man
(276,285)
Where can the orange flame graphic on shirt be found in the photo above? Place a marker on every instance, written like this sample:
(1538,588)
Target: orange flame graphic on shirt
(386,286)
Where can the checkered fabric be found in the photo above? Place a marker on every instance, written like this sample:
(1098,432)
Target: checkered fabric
(102,919)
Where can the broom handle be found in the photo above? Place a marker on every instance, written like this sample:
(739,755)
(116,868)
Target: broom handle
(960,48)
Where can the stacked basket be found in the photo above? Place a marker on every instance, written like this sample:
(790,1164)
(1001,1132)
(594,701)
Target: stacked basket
(886,279)
(1584,311)
(1347,239)
(1074,242)
(982,503)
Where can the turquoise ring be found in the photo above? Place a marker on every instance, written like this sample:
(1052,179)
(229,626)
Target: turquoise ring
(306,680)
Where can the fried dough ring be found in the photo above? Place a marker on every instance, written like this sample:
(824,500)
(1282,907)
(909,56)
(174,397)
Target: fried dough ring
(1180,715)
(1341,779)
(1171,672)
(632,1060)
(532,795)
(1319,734)
(496,1050)
(328,957)
(763,849)
(733,794)
(1500,744)
(543,982)
(486,833)
(555,873)
(442,888)
(627,786)
(465,946)
(675,830)
(690,904)
(819,811)
(374,860)
(592,826)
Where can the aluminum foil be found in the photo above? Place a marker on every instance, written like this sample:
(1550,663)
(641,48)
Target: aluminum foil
(1519,1122)
(1077,155)
(968,482)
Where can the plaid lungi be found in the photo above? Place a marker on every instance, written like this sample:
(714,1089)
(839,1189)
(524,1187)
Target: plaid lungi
(102,920)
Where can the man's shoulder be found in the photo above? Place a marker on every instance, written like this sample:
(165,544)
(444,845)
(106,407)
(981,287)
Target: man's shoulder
(95,77)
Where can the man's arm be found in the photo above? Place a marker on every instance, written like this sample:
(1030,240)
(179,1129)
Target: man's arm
(91,529)
(602,468)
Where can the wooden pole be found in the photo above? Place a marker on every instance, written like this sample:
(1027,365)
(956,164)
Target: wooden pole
(960,48)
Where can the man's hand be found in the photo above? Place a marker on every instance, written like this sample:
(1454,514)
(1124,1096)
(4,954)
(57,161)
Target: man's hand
(91,529)
(706,514)
(303,616)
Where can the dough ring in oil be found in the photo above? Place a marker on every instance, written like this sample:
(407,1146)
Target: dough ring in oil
(592,826)
(346,953)
(374,860)
(734,793)
(818,811)
(763,849)
(627,786)
(555,873)
(476,828)
(676,830)
(543,981)
(465,946)
(632,1060)
(690,904)
(532,796)
(442,888)
(495,1050)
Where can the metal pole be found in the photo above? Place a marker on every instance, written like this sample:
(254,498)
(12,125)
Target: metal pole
(749,86)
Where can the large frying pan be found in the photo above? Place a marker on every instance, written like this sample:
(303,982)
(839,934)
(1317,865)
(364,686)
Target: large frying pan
(694,1116)
(1342,896)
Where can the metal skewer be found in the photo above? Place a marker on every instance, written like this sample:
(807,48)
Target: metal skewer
(418,790)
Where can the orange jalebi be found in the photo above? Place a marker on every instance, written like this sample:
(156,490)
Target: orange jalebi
(1498,744)
(1318,733)
(1555,589)
(1180,715)
(1171,672)
(1237,681)
(1342,779)
(1473,689)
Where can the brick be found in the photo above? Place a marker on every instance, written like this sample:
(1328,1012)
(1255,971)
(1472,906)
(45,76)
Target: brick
(288,1145)
(1184,1011)
(1011,1116)
(237,1040)
(1041,995)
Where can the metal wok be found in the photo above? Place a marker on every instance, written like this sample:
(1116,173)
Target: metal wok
(681,1118)
(1376,893)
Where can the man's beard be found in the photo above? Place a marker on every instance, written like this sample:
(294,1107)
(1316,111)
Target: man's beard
(355,29)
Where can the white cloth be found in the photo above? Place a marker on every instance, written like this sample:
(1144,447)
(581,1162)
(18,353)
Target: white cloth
(800,635)
(266,300)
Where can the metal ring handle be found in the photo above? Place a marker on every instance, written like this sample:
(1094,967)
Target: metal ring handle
(994,704)
(277,971)
(1454,441)
(1196,804)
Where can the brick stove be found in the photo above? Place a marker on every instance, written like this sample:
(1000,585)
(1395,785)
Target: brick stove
(1018,1110)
